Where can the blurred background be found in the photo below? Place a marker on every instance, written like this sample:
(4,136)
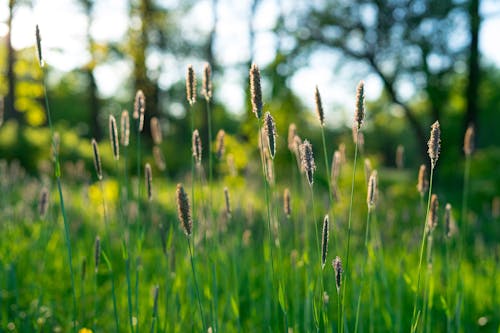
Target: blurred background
(421,60)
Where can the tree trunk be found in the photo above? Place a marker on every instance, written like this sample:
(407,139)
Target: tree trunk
(474,71)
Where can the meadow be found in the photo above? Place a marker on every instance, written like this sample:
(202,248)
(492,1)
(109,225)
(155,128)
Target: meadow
(335,243)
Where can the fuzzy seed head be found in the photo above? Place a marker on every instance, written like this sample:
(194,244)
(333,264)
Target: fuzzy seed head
(184,210)
(207,82)
(159,159)
(156,134)
(125,128)
(227,201)
(190,85)
(307,161)
(270,129)
(423,183)
(434,144)
(256,91)
(39,46)
(139,108)
(336,165)
(319,107)
(97,159)
(148,174)
(43,202)
(469,140)
(287,208)
(337,267)
(97,253)
(113,137)
(433,214)
(372,190)
(292,132)
(324,241)
(368,169)
(196,147)
(297,142)
(220,146)
(359,113)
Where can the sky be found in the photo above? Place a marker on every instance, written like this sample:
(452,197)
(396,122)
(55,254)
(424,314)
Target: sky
(63,26)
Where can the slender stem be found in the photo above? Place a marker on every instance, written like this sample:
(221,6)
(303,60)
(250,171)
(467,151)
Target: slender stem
(327,166)
(346,272)
(129,294)
(196,285)
(414,321)
(191,111)
(362,282)
(339,321)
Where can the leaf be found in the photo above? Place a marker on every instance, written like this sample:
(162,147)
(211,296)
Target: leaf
(281,297)
(234,307)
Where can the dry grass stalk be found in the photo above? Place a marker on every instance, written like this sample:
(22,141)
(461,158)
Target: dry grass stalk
(292,132)
(434,144)
(359,113)
(184,210)
(159,158)
(319,107)
(256,91)
(469,140)
(39,46)
(125,128)
(113,137)
(287,208)
(423,183)
(139,108)
(372,193)
(400,151)
(324,241)
(97,159)
(307,161)
(337,267)
(190,85)
(270,130)
(220,146)
(269,167)
(227,201)
(43,202)
(196,147)
(148,174)
(207,82)
(97,253)
(433,214)
(156,134)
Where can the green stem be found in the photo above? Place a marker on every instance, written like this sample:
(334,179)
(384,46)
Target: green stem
(129,294)
(196,285)
(362,282)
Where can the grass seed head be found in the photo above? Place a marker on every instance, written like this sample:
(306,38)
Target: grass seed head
(39,46)
(196,147)
(270,129)
(113,137)
(139,108)
(227,201)
(434,144)
(433,214)
(159,158)
(207,82)
(307,161)
(324,241)
(43,202)
(448,222)
(148,174)
(292,132)
(256,91)
(286,203)
(368,169)
(372,190)
(423,183)
(359,113)
(97,159)
(220,146)
(337,267)
(184,210)
(190,85)
(319,107)
(125,128)
(156,134)
(469,140)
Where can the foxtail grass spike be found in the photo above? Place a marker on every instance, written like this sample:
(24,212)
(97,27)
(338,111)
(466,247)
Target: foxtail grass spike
(423,182)
(156,133)
(434,144)
(190,85)
(184,210)
(307,161)
(292,132)
(39,46)
(324,241)
(256,91)
(433,214)
(220,146)
(148,174)
(196,147)
(270,129)
(97,253)
(124,128)
(287,209)
(97,159)
(139,108)
(207,82)
(319,107)
(371,199)
(113,137)
(359,113)
(297,143)
(159,158)
(469,140)
(43,202)
(227,201)
(337,267)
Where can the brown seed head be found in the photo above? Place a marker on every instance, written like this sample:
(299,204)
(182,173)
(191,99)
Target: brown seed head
(43,202)
(139,108)
(196,147)
(190,85)
(97,253)
(335,172)
(220,147)
(227,201)
(256,91)
(286,203)
(292,132)
(156,134)
(319,107)
(148,174)
(434,144)
(337,267)
(184,210)
(449,224)
(159,159)
(372,190)
(270,129)
(324,241)
(125,128)
(433,214)
(39,46)
(307,161)
(469,140)
(97,159)
(207,82)
(359,113)
(113,137)
(423,183)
